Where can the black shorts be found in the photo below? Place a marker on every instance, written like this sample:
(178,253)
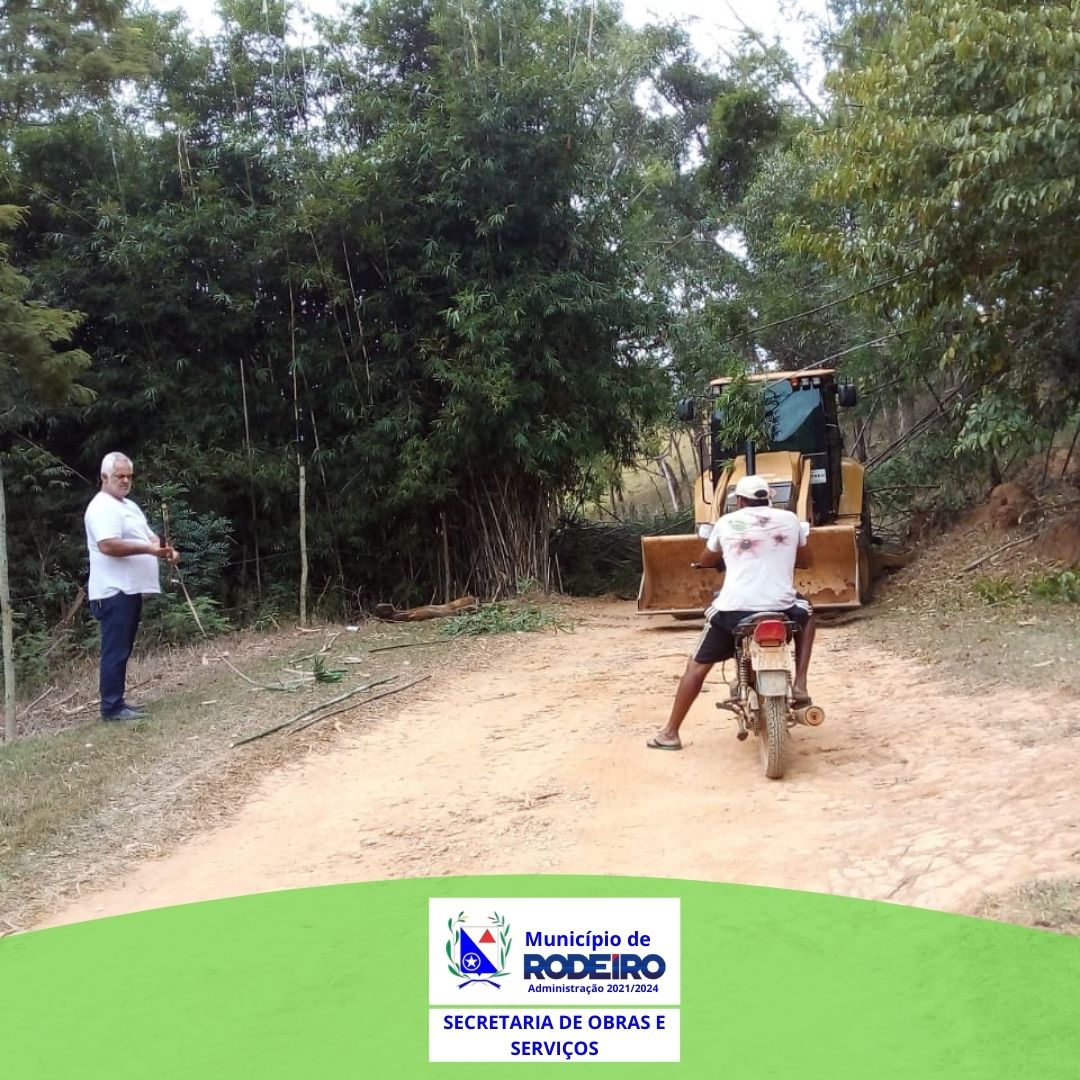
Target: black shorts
(717,643)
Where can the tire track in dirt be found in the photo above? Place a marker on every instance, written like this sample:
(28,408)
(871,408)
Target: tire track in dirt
(907,793)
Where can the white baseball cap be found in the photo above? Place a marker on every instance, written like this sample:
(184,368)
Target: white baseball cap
(753,487)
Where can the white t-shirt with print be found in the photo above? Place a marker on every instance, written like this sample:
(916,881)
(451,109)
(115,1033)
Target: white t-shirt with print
(108,518)
(758,544)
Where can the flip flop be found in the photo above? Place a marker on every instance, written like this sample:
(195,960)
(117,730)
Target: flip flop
(800,701)
(654,744)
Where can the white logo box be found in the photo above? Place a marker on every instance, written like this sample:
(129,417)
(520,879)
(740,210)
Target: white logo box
(623,1006)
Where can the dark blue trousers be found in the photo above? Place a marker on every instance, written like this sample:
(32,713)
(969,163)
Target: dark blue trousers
(119,618)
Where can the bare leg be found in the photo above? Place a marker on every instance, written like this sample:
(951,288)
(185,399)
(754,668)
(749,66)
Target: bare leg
(689,687)
(804,646)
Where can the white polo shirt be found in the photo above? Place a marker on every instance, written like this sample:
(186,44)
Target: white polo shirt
(758,544)
(108,518)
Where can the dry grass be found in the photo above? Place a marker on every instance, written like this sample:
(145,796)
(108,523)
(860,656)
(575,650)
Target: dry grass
(941,614)
(80,799)
(1048,905)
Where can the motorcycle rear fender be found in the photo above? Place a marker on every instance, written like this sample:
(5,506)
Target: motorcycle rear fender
(771,683)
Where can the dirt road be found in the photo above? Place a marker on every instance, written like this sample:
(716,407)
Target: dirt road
(538,765)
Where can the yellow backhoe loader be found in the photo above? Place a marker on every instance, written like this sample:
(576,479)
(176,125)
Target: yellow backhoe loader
(807,473)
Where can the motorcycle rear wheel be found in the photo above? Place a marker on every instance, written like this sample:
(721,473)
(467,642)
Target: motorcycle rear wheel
(772,733)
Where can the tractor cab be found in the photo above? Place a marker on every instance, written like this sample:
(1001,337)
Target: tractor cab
(802,412)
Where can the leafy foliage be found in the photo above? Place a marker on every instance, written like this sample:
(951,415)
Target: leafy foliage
(502,618)
(996,590)
(745,414)
(167,620)
(1060,588)
(953,157)
(999,425)
(324,674)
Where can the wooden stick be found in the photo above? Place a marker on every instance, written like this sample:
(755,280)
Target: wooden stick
(411,645)
(446,560)
(62,627)
(40,698)
(314,709)
(319,652)
(220,656)
(375,697)
(998,551)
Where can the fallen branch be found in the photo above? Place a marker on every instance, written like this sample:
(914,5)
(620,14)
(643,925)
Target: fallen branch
(318,652)
(93,700)
(998,551)
(412,645)
(314,709)
(64,625)
(375,697)
(1052,507)
(389,613)
(39,699)
(65,700)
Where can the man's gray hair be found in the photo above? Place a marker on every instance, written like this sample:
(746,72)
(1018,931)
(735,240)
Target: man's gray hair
(111,460)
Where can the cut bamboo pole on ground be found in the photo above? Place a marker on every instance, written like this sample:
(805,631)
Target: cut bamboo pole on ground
(357,704)
(412,645)
(314,709)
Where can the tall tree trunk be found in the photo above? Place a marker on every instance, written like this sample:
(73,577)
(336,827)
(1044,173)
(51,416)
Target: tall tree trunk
(448,589)
(303,541)
(676,451)
(5,618)
(251,479)
(672,484)
(299,457)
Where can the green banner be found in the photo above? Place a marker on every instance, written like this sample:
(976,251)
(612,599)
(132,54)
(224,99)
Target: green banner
(333,982)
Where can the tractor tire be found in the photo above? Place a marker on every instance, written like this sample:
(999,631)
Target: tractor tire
(866,560)
(866,574)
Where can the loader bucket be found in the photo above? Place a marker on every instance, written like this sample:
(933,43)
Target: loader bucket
(671,586)
(832,578)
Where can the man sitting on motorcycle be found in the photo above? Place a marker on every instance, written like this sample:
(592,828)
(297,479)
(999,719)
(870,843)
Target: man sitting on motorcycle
(758,547)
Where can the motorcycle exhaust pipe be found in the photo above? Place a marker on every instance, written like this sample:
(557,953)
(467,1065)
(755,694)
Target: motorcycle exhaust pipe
(812,715)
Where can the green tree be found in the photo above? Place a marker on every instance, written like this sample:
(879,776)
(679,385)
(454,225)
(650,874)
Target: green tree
(57,56)
(414,253)
(61,54)
(953,156)
(32,370)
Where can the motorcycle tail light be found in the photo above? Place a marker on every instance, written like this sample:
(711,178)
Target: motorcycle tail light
(770,632)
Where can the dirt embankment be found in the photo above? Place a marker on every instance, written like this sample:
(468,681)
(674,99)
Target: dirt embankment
(912,791)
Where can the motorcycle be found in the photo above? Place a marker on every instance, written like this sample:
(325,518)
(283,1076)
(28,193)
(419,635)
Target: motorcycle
(761,693)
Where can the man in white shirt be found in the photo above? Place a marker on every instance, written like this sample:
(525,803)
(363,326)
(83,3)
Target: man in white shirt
(124,554)
(758,548)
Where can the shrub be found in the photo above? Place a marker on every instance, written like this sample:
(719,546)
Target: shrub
(1060,588)
(501,619)
(996,590)
(168,619)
